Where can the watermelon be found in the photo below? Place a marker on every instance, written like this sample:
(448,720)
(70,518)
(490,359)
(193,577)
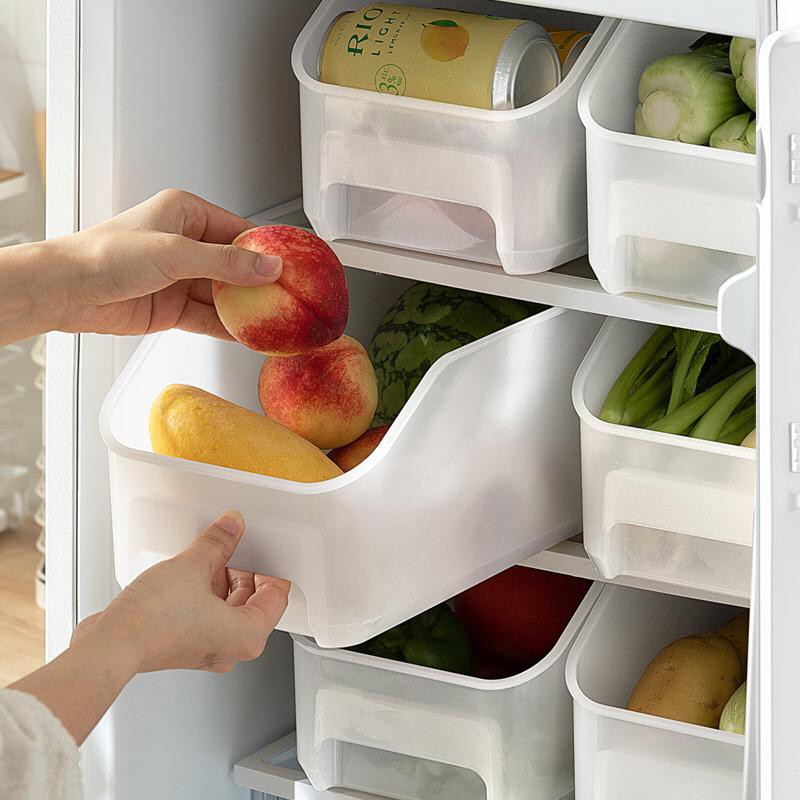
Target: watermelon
(426,322)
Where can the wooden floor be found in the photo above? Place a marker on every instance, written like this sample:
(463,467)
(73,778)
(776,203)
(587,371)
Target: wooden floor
(21,620)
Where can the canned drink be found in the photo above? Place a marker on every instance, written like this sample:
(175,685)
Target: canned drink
(569,45)
(458,57)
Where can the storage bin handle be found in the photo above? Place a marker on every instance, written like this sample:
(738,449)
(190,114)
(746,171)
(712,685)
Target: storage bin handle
(694,508)
(693,218)
(408,168)
(412,730)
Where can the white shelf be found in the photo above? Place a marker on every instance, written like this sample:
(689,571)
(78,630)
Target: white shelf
(570,558)
(571,286)
(736,17)
(10,393)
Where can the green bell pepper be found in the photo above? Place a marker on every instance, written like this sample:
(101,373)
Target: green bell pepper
(435,638)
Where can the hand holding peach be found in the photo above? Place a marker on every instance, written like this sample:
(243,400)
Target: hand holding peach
(306,308)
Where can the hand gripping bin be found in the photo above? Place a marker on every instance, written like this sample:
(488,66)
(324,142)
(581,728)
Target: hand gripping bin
(405,731)
(505,187)
(625,755)
(657,505)
(477,473)
(665,218)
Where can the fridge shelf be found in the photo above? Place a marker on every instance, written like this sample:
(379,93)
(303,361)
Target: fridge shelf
(361,556)
(665,218)
(572,286)
(407,731)
(12,183)
(626,755)
(737,18)
(570,558)
(9,353)
(10,392)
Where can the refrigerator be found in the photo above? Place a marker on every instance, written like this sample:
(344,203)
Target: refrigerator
(207,96)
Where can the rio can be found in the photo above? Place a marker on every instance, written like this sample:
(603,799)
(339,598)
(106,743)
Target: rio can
(458,57)
(569,45)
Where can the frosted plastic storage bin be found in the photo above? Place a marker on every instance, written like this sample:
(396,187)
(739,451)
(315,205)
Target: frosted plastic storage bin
(503,187)
(416,733)
(477,473)
(625,755)
(665,218)
(666,507)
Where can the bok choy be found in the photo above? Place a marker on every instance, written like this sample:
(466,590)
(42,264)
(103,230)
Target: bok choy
(743,65)
(738,133)
(686,97)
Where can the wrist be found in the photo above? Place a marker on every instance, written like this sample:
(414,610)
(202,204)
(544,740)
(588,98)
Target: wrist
(115,649)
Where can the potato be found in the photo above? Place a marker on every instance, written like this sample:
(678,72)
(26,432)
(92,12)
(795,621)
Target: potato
(737,630)
(690,680)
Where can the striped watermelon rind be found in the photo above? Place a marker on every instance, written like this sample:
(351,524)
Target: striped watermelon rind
(426,322)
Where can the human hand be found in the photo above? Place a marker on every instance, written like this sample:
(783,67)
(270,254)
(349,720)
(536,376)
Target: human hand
(190,612)
(149,269)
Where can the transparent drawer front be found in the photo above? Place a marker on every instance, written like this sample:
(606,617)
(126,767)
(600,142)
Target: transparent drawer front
(410,732)
(656,505)
(477,473)
(665,218)
(499,186)
(624,755)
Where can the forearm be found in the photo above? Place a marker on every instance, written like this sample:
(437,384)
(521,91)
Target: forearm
(81,684)
(30,282)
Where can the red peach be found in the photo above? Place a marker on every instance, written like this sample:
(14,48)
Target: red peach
(307,307)
(327,396)
(351,455)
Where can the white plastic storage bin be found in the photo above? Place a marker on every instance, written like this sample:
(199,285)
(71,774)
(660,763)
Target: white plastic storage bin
(625,755)
(657,505)
(477,473)
(502,187)
(665,218)
(405,731)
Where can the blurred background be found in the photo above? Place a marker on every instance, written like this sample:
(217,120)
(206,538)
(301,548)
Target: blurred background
(22,122)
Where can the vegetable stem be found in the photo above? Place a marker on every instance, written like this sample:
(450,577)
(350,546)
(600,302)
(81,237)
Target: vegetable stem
(710,425)
(683,417)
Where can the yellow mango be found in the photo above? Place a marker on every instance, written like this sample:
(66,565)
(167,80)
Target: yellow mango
(189,423)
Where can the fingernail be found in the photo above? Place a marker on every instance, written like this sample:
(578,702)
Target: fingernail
(231,521)
(269,266)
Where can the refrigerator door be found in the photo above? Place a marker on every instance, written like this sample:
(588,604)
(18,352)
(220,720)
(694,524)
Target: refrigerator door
(143,96)
(778,702)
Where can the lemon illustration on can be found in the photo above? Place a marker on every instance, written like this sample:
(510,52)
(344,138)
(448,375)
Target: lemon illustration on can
(444,40)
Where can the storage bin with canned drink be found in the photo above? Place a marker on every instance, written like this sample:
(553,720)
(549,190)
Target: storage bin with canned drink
(665,217)
(498,186)
(360,555)
(400,730)
(669,508)
(627,755)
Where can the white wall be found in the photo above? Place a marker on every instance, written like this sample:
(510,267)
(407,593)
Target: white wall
(26,22)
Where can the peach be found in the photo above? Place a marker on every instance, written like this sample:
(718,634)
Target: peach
(351,455)
(327,396)
(306,308)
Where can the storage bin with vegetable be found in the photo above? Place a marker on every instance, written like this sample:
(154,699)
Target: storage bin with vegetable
(668,487)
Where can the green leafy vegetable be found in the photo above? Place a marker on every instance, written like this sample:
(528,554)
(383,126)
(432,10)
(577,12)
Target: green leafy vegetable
(742,57)
(687,96)
(635,374)
(713,421)
(737,134)
(692,348)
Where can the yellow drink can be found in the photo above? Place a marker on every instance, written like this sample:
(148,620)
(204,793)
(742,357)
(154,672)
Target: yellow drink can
(458,57)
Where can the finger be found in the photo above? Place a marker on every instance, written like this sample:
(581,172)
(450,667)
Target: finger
(242,585)
(200,290)
(214,547)
(268,603)
(189,215)
(198,317)
(220,585)
(182,258)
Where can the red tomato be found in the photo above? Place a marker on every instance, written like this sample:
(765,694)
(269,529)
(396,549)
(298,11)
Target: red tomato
(493,669)
(519,615)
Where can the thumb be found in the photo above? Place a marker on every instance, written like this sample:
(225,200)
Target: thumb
(223,262)
(215,546)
